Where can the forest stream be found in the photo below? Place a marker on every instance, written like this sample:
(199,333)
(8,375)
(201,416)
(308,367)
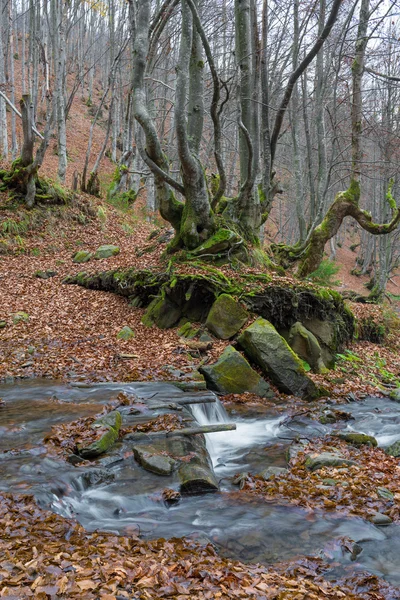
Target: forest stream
(119,496)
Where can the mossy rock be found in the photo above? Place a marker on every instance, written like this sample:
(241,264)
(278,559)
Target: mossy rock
(226,317)
(394,449)
(395,395)
(306,346)
(48,274)
(187,331)
(112,422)
(315,462)
(232,374)
(20,317)
(82,256)
(126,333)
(106,251)
(222,241)
(162,312)
(356,439)
(266,348)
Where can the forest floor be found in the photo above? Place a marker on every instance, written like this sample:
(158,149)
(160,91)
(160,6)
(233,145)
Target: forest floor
(70,333)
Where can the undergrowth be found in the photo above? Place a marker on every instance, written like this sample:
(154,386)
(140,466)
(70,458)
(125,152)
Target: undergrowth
(325,273)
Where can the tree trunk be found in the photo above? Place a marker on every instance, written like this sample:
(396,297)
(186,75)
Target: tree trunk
(347,203)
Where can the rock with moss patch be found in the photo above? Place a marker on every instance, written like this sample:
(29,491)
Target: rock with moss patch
(82,256)
(385,494)
(326,334)
(162,312)
(111,423)
(187,331)
(314,462)
(381,519)
(45,274)
(394,449)
(395,395)
(356,439)
(222,241)
(106,251)
(152,461)
(126,333)
(266,348)
(226,317)
(20,317)
(232,374)
(306,346)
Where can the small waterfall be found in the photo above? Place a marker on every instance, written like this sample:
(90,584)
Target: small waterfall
(210,413)
(226,448)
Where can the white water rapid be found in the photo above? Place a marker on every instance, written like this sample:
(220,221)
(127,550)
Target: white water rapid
(227,448)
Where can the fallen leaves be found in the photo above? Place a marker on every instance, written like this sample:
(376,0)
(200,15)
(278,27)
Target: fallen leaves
(351,490)
(59,559)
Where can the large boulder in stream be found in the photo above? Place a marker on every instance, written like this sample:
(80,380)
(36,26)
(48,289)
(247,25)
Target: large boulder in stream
(108,431)
(266,348)
(226,317)
(232,374)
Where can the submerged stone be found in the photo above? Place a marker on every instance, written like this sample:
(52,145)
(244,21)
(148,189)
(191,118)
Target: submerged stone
(226,317)
(381,519)
(148,458)
(265,347)
(106,251)
(232,374)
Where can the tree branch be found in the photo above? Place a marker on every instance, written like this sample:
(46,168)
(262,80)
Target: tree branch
(297,72)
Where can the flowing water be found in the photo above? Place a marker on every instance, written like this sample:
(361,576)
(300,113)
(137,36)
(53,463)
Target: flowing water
(119,496)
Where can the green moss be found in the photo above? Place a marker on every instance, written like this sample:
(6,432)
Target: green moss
(187,331)
(222,241)
(389,197)
(126,333)
(20,317)
(357,439)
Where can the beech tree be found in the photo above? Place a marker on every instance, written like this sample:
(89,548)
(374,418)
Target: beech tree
(203,211)
(198,209)
(241,118)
